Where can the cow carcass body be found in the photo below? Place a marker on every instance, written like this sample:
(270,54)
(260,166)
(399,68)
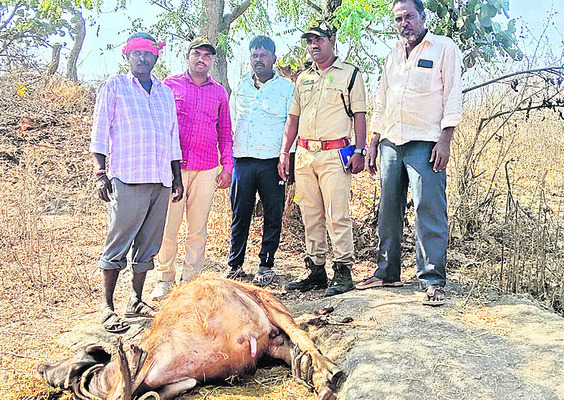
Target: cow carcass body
(209,329)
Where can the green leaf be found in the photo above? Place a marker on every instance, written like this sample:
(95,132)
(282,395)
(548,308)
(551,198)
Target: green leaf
(442,11)
(511,26)
(472,5)
(485,22)
(469,60)
(489,10)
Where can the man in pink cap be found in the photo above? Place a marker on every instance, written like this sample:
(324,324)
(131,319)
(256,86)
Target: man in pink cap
(137,156)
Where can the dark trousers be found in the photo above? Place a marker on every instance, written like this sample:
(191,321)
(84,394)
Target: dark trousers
(252,175)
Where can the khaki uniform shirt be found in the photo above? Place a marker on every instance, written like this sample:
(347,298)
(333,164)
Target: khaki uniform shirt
(318,104)
(421,95)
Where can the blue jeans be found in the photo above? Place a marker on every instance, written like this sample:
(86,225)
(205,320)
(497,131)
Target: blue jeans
(252,175)
(401,166)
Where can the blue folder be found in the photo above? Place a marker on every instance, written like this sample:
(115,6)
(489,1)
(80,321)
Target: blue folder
(346,154)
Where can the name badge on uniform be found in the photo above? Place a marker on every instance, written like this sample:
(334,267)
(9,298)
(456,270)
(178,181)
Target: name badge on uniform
(309,82)
(425,63)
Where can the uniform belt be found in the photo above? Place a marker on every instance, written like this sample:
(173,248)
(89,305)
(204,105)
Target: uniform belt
(316,145)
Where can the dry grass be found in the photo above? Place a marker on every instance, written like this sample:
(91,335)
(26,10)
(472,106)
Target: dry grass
(53,227)
(507,187)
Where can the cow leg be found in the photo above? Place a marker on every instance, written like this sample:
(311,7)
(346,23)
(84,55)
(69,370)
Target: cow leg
(297,349)
(177,388)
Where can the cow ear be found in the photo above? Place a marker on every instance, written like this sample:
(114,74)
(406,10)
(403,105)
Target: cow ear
(98,353)
(74,371)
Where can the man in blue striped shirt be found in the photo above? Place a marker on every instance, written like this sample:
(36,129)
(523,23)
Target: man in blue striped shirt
(259,107)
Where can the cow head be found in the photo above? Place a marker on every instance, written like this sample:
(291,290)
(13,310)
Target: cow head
(66,374)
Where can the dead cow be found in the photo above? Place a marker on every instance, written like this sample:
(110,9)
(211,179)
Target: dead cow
(209,329)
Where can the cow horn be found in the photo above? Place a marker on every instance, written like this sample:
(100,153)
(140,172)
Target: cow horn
(83,393)
(125,371)
(149,394)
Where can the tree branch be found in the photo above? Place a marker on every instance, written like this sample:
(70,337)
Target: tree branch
(546,69)
(237,12)
(314,6)
(5,24)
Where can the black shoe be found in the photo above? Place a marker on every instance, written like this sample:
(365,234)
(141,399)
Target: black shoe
(342,281)
(316,279)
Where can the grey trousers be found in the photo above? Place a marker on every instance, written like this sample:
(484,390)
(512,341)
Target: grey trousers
(137,214)
(401,166)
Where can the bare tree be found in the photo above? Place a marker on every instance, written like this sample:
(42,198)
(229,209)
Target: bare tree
(55,58)
(78,33)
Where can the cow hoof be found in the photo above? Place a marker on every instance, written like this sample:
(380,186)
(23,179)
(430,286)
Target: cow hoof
(327,394)
(335,377)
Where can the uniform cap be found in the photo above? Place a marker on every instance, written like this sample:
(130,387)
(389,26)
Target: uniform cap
(201,42)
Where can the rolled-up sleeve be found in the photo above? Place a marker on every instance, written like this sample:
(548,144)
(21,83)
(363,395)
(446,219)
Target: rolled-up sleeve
(379,104)
(452,95)
(175,136)
(225,137)
(104,111)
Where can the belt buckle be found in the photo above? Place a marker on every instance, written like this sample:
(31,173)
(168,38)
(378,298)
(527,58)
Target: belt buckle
(314,145)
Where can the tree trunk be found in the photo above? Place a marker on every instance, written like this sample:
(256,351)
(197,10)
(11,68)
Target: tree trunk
(329,7)
(55,58)
(212,24)
(79,30)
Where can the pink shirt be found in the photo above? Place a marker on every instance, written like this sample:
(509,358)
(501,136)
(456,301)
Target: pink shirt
(421,95)
(204,123)
(137,131)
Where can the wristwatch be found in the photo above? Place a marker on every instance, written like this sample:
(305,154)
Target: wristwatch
(362,152)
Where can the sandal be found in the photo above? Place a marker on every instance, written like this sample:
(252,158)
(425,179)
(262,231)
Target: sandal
(236,273)
(112,323)
(264,277)
(141,309)
(435,296)
(372,282)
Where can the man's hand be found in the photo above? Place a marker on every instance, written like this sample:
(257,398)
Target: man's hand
(371,155)
(104,187)
(356,163)
(177,189)
(223,180)
(284,166)
(441,153)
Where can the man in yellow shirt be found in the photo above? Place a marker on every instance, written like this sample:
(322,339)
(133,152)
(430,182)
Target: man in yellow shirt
(325,112)
(418,105)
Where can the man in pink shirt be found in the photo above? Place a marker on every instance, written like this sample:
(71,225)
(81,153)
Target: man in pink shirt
(418,105)
(204,124)
(136,153)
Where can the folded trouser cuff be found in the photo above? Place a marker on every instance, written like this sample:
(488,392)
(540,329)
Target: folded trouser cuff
(166,276)
(425,283)
(109,265)
(142,266)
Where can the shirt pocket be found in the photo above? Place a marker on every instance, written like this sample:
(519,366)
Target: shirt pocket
(334,94)
(306,95)
(421,79)
(181,105)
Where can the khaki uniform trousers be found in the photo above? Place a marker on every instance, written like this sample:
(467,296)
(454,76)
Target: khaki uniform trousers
(323,195)
(199,188)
